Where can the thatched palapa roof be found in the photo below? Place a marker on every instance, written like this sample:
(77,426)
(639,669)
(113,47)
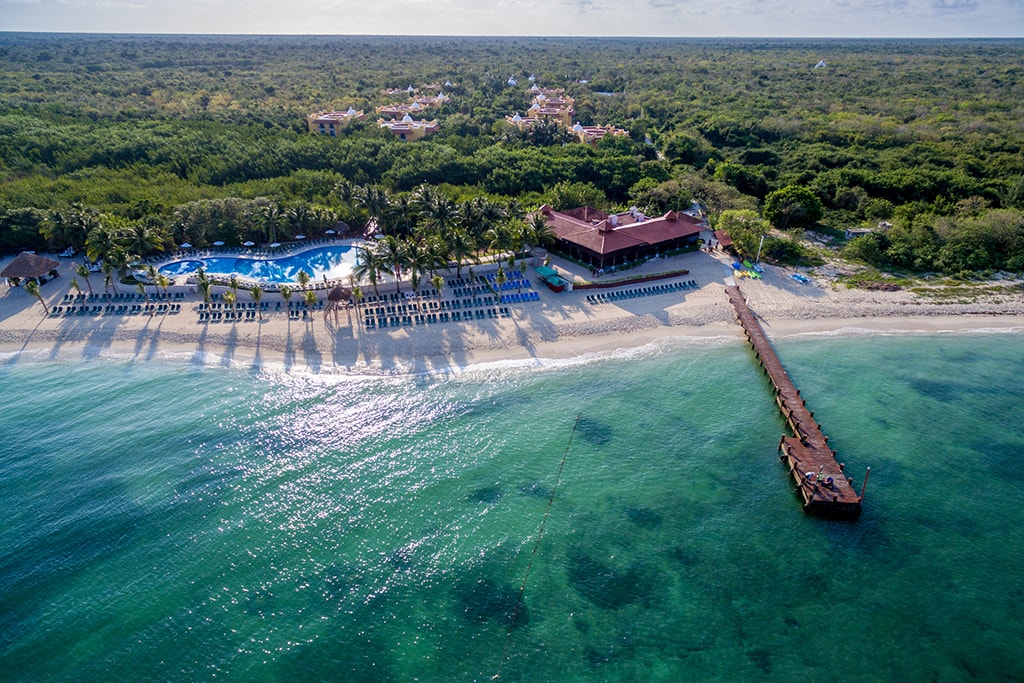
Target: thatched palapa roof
(339,293)
(29,265)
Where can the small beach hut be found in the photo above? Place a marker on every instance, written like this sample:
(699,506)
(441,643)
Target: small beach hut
(28,265)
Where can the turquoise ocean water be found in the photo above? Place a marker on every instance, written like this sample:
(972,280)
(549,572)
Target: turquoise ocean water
(177,523)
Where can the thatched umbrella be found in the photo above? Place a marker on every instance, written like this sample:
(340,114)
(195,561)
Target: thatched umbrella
(335,298)
(26,265)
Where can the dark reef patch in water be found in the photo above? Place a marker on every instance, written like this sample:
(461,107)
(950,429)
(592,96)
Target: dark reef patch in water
(480,600)
(683,556)
(762,659)
(486,494)
(535,489)
(606,586)
(940,391)
(593,431)
(643,516)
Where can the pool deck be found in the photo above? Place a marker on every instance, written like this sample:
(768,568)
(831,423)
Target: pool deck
(317,281)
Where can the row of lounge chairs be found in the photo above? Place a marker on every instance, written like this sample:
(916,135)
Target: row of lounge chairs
(518,283)
(121,297)
(115,309)
(248,306)
(382,322)
(636,292)
(217,316)
(520,297)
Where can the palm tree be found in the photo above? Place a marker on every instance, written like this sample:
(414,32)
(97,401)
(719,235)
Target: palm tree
(70,229)
(153,279)
(204,289)
(437,252)
(375,202)
(286,294)
(269,218)
(441,215)
(498,239)
(303,279)
(257,295)
(404,212)
(393,256)
(100,243)
(310,298)
(299,219)
(346,192)
(417,261)
(368,267)
(230,298)
(83,270)
(540,232)
(163,282)
(461,246)
(424,197)
(108,277)
(204,284)
(143,239)
(74,283)
(357,297)
(438,283)
(141,289)
(499,280)
(233,286)
(32,287)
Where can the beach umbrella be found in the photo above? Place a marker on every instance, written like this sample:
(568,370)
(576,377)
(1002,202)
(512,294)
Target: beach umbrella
(275,245)
(185,245)
(331,232)
(300,237)
(248,244)
(339,294)
(218,243)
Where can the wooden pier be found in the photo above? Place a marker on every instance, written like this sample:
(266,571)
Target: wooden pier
(820,481)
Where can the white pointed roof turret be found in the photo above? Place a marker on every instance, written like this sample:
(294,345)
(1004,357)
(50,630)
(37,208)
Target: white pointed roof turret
(406,119)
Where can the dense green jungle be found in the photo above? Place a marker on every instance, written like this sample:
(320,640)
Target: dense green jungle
(144,142)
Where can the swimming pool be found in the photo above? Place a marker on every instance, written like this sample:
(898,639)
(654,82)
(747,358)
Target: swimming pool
(332,262)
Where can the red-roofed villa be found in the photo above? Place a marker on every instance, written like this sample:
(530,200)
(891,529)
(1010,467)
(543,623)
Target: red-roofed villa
(605,240)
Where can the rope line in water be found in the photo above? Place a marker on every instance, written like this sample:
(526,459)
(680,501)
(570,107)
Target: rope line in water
(536,545)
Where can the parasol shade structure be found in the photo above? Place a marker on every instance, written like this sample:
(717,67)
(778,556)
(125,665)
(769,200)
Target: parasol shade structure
(218,243)
(184,245)
(248,243)
(29,265)
(339,294)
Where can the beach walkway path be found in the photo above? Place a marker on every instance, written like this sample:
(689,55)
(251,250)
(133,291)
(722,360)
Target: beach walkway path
(820,481)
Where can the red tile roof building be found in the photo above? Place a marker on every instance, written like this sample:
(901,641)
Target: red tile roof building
(604,240)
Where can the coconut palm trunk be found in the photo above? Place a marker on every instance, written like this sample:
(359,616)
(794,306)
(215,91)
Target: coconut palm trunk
(32,287)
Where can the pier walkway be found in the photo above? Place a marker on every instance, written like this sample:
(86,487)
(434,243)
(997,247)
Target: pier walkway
(820,480)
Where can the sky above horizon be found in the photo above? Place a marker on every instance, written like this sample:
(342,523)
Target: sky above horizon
(682,18)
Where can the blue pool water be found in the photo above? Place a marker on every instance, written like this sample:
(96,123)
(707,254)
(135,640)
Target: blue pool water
(331,262)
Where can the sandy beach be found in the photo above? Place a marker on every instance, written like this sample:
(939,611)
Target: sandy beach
(558,326)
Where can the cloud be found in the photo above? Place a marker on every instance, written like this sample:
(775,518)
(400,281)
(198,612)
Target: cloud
(955,5)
